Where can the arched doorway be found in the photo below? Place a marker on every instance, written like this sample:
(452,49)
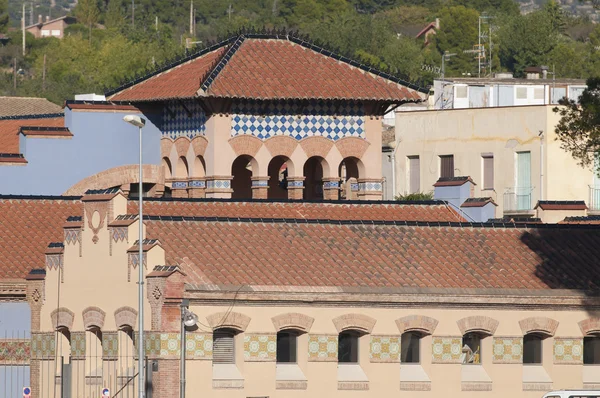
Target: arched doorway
(315,169)
(349,172)
(279,169)
(242,171)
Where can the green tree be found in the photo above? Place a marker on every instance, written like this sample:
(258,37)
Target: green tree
(579,125)
(556,16)
(87,13)
(3,16)
(458,33)
(114,17)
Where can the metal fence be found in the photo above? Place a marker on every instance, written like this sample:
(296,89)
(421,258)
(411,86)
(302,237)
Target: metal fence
(594,198)
(517,199)
(14,363)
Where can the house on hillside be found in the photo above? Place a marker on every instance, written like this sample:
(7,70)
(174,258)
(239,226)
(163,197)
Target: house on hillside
(418,31)
(50,28)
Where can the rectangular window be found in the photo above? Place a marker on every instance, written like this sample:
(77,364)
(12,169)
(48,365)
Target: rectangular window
(471,351)
(591,350)
(45,32)
(447,166)
(532,349)
(409,348)
(286,347)
(348,347)
(223,348)
(461,91)
(523,188)
(521,92)
(414,172)
(488,171)
(538,93)
(55,32)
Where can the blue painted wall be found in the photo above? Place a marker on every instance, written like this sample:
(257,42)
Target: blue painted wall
(101,140)
(15,323)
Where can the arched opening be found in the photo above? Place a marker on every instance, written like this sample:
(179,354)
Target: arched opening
(166,165)
(349,172)
(279,169)
(242,171)
(199,167)
(63,349)
(182,170)
(126,362)
(93,354)
(315,169)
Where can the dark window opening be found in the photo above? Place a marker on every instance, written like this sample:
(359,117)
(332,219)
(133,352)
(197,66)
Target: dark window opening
(287,342)
(223,346)
(348,347)
(409,347)
(447,166)
(591,350)
(471,350)
(532,349)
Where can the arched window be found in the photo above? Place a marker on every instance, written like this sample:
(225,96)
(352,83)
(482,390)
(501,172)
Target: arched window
(471,348)
(287,346)
(591,350)
(348,347)
(532,349)
(410,344)
(223,346)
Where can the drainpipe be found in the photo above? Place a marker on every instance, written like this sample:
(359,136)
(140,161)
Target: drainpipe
(541,135)
(394,168)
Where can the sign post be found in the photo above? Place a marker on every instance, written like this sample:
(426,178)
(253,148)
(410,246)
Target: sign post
(105,393)
(26,392)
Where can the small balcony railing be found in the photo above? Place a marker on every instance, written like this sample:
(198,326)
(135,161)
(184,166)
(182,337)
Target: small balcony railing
(594,204)
(517,199)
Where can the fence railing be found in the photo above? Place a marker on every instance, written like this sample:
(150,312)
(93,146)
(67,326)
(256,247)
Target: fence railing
(517,199)
(14,363)
(594,204)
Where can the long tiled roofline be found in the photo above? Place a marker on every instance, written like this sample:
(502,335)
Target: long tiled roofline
(38,197)
(40,116)
(282,35)
(336,202)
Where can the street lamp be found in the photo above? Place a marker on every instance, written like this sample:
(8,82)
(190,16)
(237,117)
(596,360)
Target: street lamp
(139,122)
(188,319)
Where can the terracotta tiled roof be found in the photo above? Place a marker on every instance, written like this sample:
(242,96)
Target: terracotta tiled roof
(581,220)
(262,67)
(27,226)
(21,106)
(478,202)
(9,129)
(452,181)
(103,106)
(259,253)
(561,205)
(396,211)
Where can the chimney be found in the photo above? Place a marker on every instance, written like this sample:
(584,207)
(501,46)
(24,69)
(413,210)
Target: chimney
(454,190)
(437,23)
(40,18)
(47,18)
(479,209)
(544,72)
(554,211)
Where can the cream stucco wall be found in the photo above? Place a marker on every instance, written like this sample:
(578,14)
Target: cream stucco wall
(469,133)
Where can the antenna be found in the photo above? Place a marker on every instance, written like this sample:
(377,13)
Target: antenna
(192,18)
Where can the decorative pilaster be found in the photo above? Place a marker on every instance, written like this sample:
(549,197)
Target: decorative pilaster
(218,187)
(260,187)
(35,281)
(197,188)
(295,188)
(179,188)
(370,188)
(331,188)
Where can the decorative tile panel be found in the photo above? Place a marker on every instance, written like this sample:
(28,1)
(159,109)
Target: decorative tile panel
(568,350)
(218,184)
(260,347)
(199,346)
(331,184)
(446,349)
(180,184)
(43,345)
(508,350)
(183,119)
(370,186)
(260,183)
(197,184)
(320,118)
(167,345)
(15,351)
(295,183)
(323,348)
(78,345)
(110,345)
(385,349)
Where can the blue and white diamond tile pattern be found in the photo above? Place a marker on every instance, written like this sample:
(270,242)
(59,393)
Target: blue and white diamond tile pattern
(218,184)
(260,183)
(354,186)
(197,184)
(331,184)
(370,186)
(177,122)
(180,184)
(321,120)
(295,184)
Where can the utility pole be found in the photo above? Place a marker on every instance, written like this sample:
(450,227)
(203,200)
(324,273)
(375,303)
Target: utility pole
(191,18)
(156,23)
(445,56)
(229,11)
(31,15)
(479,48)
(274,8)
(44,75)
(23,27)
(133,13)
(15,75)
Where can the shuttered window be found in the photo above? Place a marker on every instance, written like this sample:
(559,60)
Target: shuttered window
(414,170)
(447,166)
(223,351)
(488,171)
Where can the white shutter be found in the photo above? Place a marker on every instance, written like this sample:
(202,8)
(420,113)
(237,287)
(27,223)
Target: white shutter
(223,347)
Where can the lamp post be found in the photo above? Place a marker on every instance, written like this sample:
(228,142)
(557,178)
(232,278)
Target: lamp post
(188,319)
(139,122)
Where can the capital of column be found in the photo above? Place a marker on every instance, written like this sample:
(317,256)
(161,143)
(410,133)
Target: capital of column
(295,187)
(260,187)
(218,186)
(331,188)
(197,187)
(179,187)
(370,188)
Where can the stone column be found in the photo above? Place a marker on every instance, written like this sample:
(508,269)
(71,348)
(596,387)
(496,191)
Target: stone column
(197,188)
(260,187)
(179,188)
(370,189)
(331,188)
(295,188)
(219,187)
(35,298)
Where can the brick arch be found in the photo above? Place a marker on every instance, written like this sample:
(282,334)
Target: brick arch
(293,320)
(232,320)
(245,145)
(416,323)
(316,146)
(118,176)
(478,323)
(182,144)
(125,316)
(199,144)
(93,316)
(539,324)
(165,147)
(352,147)
(590,326)
(360,322)
(281,145)
(62,318)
